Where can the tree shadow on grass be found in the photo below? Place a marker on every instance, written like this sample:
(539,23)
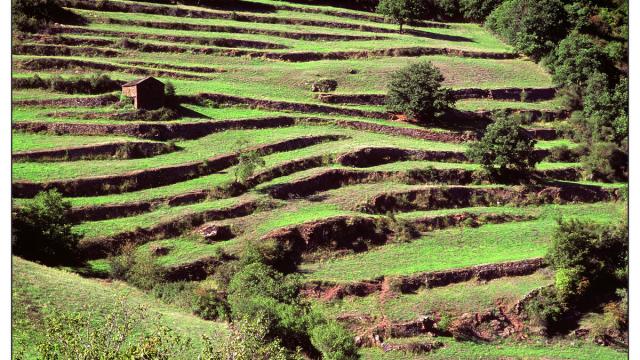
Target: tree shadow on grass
(436,36)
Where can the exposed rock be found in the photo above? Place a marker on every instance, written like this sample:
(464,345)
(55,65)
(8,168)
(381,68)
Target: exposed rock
(324,85)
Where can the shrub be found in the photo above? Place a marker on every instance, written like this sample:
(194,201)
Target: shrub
(42,230)
(248,162)
(401,11)
(606,162)
(249,339)
(588,257)
(545,309)
(36,15)
(478,10)
(531,26)
(74,335)
(139,268)
(576,59)
(333,341)
(210,305)
(505,149)
(95,84)
(416,90)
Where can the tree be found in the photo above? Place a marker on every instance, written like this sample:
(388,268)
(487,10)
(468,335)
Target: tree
(417,91)
(576,59)
(42,230)
(401,11)
(505,149)
(531,26)
(606,109)
(478,10)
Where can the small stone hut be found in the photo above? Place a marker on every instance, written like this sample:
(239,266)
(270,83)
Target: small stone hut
(147,93)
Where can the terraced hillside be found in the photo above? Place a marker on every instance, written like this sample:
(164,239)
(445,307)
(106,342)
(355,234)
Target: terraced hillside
(342,178)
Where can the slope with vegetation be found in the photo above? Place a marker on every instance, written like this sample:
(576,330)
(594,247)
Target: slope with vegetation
(326,179)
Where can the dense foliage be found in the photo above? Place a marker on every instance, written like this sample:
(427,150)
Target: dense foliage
(505,149)
(401,11)
(533,27)
(591,264)
(575,59)
(42,230)
(36,15)
(417,91)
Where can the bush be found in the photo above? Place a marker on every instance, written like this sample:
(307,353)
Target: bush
(416,90)
(95,84)
(37,15)
(210,305)
(588,257)
(248,163)
(478,10)
(532,27)
(545,309)
(43,230)
(576,59)
(401,11)
(74,335)
(333,341)
(505,149)
(606,162)
(249,339)
(139,268)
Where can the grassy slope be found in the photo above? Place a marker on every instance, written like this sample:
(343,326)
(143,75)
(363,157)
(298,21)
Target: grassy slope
(38,289)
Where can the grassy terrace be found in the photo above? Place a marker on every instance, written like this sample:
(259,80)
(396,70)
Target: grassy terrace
(461,247)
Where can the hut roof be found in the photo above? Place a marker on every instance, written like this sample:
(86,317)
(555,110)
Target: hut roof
(139,81)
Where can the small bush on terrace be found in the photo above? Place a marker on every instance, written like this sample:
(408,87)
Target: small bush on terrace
(401,11)
(333,341)
(505,150)
(417,91)
(42,230)
(248,163)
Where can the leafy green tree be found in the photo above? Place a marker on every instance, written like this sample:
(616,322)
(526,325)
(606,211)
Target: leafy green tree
(43,230)
(417,91)
(532,27)
(478,10)
(504,149)
(607,109)
(400,11)
(576,59)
